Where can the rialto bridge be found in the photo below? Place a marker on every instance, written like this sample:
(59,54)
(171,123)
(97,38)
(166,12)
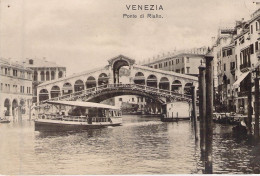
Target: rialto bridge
(106,82)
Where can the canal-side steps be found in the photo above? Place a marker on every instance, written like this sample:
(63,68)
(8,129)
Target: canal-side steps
(88,93)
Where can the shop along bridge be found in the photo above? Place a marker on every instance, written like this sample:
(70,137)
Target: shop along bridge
(107,82)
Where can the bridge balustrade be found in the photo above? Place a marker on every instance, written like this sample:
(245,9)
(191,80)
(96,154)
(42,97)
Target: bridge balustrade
(139,87)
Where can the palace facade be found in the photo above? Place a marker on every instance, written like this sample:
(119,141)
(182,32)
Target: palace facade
(43,70)
(15,90)
(236,55)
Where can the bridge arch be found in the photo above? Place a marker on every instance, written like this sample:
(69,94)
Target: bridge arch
(99,97)
(43,95)
(164,83)
(67,88)
(187,88)
(102,79)
(55,91)
(152,81)
(139,78)
(91,82)
(176,86)
(79,85)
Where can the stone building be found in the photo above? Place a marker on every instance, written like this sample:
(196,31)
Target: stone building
(185,62)
(44,70)
(15,90)
(236,60)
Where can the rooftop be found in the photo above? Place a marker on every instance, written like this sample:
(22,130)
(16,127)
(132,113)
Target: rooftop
(36,62)
(12,63)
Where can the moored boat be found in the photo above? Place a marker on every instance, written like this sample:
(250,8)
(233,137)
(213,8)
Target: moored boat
(4,121)
(75,116)
(173,119)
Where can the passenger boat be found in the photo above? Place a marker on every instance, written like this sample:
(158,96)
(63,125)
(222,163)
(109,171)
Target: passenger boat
(75,116)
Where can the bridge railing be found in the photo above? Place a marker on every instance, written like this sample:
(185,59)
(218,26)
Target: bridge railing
(140,87)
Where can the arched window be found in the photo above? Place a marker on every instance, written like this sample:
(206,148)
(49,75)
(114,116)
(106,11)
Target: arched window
(60,74)
(52,75)
(47,76)
(42,76)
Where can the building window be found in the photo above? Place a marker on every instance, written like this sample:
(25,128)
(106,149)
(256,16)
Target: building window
(133,99)
(182,60)
(166,64)
(31,62)
(188,60)
(256,46)
(224,67)
(6,71)
(155,66)
(60,74)
(188,70)
(251,29)
(252,49)
(256,26)
(120,99)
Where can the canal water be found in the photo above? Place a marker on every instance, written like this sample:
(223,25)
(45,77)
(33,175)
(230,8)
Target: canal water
(142,145)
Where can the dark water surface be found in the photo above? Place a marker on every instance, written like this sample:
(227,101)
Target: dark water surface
(142,145)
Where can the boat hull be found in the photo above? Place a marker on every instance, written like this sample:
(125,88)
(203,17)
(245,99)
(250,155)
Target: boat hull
(55,125)
(165,119)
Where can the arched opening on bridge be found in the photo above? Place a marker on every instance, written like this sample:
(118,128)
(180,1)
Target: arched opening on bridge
(139,78)
(43,95)
(35,76)
(79,85)
(164,83)
(91,82)
(187,88)
(102,79)
(42,76)
(176,86)
(47,76)
(14,107)
(7,106)
(55,91)
(152,81)
(52,75)
(67,89)
(22,106)
(124,71)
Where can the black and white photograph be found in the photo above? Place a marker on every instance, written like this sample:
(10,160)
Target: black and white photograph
(129,87)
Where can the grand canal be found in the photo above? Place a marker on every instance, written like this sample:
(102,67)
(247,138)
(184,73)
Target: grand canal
(142,145)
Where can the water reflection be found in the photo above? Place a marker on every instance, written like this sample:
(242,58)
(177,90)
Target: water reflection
(142,145)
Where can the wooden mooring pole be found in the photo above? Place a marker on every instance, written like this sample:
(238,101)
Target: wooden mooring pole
(256,128)
(194,113)
(209,114)
(249,104)
(202,108)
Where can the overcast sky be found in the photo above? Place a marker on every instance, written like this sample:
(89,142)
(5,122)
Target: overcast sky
(84,34)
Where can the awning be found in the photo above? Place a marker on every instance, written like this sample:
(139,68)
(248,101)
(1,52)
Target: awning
(241,78)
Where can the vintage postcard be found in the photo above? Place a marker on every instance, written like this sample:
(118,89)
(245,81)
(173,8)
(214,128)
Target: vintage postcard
(119,87)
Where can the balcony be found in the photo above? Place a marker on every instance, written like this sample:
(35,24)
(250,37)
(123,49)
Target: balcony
(245,67)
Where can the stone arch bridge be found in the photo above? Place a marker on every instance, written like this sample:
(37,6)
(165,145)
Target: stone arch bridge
(103,83)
